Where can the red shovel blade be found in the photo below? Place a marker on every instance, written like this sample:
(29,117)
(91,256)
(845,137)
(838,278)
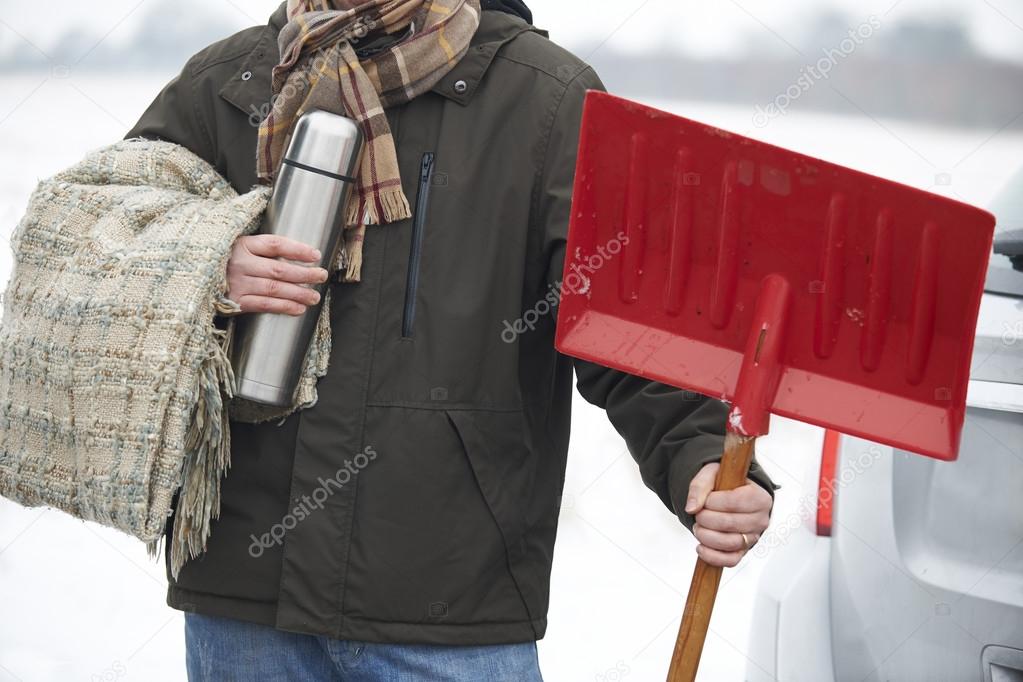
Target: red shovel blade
(676,226)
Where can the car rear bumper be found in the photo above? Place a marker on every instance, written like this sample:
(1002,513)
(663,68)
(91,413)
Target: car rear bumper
(790,638)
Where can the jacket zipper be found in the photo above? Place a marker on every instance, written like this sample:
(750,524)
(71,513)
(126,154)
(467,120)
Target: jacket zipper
(418,225)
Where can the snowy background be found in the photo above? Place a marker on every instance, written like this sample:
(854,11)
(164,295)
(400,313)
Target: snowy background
(79,602)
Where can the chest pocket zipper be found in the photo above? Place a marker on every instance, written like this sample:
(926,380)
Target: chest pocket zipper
(416,251)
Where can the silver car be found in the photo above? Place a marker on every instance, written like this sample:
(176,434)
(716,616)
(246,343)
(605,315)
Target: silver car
(905,568)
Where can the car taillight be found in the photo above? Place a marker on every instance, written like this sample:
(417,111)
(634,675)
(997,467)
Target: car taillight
(826,487)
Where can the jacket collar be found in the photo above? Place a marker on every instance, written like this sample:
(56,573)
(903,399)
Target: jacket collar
(249,88)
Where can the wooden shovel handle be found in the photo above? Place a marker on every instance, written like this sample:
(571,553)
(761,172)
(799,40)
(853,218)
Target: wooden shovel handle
(704,588)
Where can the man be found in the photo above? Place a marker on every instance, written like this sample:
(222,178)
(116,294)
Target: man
(403,526)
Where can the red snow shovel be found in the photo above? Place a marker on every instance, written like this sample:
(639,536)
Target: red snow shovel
(777,282)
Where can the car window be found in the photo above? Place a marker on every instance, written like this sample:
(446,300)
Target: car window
(1007,207)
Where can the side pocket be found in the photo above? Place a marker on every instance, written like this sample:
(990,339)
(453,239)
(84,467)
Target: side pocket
(504,469)
(416,252)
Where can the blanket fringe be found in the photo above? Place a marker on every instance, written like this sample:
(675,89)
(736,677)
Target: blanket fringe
(153,548)
(208,455)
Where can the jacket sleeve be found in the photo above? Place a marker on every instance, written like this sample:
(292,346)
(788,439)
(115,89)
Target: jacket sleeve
(671,433)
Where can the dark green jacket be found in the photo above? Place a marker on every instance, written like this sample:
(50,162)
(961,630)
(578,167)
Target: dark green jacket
(451,439)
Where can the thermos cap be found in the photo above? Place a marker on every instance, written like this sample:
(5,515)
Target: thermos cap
(325,142)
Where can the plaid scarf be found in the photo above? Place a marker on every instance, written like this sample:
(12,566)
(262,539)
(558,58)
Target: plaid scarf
(319,69)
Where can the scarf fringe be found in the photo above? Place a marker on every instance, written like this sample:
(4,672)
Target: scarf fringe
(351,266)
(395,207)
(353,273)
(208,448)
(362,213)
(367,210)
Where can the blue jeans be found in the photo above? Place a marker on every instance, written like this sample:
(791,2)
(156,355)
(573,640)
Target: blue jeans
(226,650)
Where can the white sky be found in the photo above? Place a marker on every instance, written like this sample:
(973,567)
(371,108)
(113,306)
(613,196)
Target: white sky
(701,28)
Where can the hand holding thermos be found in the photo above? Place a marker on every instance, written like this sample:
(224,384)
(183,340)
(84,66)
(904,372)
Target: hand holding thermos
(260,282)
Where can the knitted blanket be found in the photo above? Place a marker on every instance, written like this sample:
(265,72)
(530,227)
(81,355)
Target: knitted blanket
(114,381)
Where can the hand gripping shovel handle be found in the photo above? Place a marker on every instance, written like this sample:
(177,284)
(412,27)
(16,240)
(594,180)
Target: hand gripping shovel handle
(696,618)
(755,389)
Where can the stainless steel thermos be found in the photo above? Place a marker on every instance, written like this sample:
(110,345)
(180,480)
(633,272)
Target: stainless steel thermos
(308,205)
